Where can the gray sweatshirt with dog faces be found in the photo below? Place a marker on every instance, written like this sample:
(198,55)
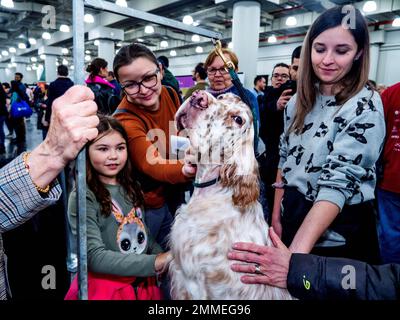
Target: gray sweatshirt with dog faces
(334,157)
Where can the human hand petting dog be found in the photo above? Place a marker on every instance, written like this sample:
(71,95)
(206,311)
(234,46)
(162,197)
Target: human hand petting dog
(263,264)
(162,262)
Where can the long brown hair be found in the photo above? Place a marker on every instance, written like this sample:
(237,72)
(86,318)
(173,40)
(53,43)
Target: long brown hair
(351,83)
(124,177)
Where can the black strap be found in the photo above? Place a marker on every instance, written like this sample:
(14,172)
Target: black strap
(205,184)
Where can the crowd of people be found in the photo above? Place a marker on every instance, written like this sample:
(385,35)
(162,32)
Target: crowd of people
(327,151)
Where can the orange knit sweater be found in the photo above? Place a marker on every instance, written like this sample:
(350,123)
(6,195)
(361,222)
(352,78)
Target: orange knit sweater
(151,156)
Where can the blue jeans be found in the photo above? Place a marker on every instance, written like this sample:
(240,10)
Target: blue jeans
(389,225)
(2,136)
(159,222)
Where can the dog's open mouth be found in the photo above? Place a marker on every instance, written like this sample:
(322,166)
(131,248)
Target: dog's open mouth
(181,121)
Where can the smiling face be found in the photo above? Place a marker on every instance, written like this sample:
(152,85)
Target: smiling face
(332,55)
(138,70)
(108,156)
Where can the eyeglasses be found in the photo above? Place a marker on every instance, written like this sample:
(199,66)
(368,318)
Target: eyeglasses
(213,71)
(150,81)
(278,75)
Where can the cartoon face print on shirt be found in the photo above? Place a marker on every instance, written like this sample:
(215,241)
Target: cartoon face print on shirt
(131,235)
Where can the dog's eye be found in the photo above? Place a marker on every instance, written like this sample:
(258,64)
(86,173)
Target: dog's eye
(238,120)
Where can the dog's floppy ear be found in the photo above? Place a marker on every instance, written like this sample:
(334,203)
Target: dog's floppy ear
(240,173)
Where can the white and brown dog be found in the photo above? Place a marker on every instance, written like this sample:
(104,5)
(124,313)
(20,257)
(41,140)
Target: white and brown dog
(223,208)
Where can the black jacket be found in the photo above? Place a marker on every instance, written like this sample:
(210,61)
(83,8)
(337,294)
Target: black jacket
(3,99)
(318,278)
(56,89)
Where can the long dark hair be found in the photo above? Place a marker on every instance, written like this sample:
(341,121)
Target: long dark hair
(124,177)
(352,82)
(131,52)
(95,66)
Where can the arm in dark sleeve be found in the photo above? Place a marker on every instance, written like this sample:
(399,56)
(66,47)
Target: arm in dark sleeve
(318,278)
(49,102)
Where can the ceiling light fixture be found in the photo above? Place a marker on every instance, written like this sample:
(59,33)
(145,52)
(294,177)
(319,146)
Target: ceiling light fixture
(12,50)
(149,29)
(272,39)
(64,51)
(46,36)
(88,58)
(369,6)
(4,53)
(87,51)
(64,28)
(291,21)
(195,38)
(187,20)
(88,18)
(32,41)
(42,56)
(164,44)
(121,3)
(396,22)
(65,62)
(21,45)
(96,42)
(7,3)
(28,68)
(230,45)
(33,59)
(172,53)
(199,49)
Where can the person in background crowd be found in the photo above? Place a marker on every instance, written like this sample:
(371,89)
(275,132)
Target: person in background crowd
(199,76)
(388,191)
(148,106)
(103,90)
(372,84)
(311,277)
(168,78)
(18,93)
(27,183)
(120,248)
(294,66)
(117,87)
(272,105)
(334,132)
(259,86)
(381,88)
(7,88)
(56,89)
(3,117)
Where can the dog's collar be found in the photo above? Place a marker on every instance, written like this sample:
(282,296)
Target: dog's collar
(205,184)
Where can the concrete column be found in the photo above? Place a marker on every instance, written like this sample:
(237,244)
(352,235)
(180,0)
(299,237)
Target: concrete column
(50,68)
(3,67)
(107,51)
(374,61)
(106,37)
(245,37)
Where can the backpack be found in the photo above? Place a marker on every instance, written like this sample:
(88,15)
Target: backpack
(107,101)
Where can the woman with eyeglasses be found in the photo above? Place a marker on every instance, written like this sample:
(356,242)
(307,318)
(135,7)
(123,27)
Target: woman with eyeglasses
(147,113)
